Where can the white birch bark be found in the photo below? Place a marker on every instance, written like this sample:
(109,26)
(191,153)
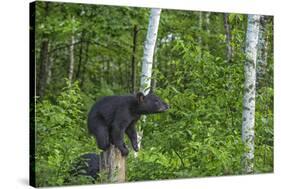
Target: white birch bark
(249,92)
(71,58)
(147,61)
(149,46)
(71,54)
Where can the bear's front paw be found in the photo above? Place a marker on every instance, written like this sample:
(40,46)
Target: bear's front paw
(135,147)
(124,152)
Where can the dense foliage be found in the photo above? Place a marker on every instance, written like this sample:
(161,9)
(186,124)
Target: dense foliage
(199,136)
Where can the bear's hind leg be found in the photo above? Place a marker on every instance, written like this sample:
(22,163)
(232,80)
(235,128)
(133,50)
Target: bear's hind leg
(102,135)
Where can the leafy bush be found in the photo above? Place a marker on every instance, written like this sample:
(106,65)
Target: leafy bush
(61,136)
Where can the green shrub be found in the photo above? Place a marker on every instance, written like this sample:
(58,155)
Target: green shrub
(61,137)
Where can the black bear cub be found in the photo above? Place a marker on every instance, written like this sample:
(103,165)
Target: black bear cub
(86,164)
(112,116)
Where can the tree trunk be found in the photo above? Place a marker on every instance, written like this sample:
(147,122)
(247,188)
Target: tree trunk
(108,74)
(149,49)
(50,65)
(228,37)
(83,70)
(133,63)
(207,28)
(199,37)
(80,55)
(43,69)
(71,58)
(207,17)
(120,67)
(112,163)
(249,92)
(262,50)
(147,61)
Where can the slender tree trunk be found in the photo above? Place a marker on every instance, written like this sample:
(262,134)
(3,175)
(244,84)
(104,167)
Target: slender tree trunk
(43,69)
(80,55)
(249,92)
(83,70)
(207,17)
(108,79)
(149,49)
(207,27)
(133,62)
(128,75)
(50,65)
(262,49)
(51,61)
(121,71)
(199,37)
(228,37)
(71,58)
(147,61)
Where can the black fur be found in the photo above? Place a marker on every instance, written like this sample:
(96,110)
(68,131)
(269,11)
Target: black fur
(87,164)
(112,116)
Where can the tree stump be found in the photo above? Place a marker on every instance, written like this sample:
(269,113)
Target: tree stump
(112,163)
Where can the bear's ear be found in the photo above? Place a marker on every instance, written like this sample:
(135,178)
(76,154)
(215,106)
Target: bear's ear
(140,97)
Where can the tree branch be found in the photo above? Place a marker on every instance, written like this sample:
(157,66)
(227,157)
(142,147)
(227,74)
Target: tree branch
(179,157)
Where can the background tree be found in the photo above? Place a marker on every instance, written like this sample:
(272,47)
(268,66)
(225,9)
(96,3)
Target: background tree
(133,72)
(71,58)
(44,59)
(228,37)
(249,92)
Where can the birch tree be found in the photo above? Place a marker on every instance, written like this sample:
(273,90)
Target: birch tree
(71,51)
(149,46)
(71,58)
(249,92)
(147,61)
